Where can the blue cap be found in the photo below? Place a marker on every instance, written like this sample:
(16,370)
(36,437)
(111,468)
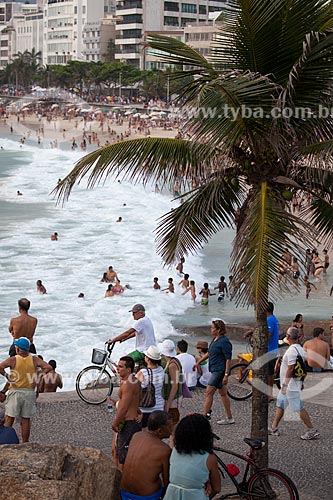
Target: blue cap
(22,343)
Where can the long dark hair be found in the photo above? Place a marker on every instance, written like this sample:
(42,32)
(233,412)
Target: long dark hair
(194,435)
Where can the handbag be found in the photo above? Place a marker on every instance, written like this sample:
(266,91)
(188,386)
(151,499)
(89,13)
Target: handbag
(148,399)
(186,391)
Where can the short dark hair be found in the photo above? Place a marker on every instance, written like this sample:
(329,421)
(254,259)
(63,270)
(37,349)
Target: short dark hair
(53,363)
(194,434)
(129,362)
(24,304)
(157,419)
(317,331)
(186,276)
(182,345)
(270,307)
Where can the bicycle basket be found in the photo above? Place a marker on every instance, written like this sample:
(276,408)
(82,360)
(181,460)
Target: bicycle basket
(98,356)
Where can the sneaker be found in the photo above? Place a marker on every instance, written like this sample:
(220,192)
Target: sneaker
(208,415)
(226,421)
(273,431)
(311,434)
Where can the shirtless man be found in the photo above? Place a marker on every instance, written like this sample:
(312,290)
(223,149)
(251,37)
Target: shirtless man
(54,237)
(51,381)
(23,326)
(318,350)
(126,421)
(111,274)
(147,460)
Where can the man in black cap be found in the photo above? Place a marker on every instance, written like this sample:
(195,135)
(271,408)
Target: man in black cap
(142,330)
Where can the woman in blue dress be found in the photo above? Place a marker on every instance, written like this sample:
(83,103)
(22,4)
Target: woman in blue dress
(193,467)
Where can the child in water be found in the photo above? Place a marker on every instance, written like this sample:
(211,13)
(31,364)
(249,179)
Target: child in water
(205,292)
(308,286)
(171,288)
(191,289)
(156,285)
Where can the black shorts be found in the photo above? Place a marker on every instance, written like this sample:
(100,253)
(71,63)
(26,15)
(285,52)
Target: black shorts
(124,438)
(271,366)
(12,350)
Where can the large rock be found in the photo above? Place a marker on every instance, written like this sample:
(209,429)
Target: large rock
(51,472)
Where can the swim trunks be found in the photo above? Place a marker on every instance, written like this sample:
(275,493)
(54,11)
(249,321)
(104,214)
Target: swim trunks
(204,302)
(130,496)
(124,438)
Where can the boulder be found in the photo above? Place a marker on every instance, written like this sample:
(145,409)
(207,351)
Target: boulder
(34,471)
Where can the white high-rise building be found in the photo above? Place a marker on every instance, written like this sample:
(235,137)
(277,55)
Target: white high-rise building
(64,21)
(137,17)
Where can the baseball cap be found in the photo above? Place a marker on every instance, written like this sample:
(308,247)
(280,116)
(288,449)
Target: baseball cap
(22,343)
(201,344)
(153,353)
(167,348)
(137,308)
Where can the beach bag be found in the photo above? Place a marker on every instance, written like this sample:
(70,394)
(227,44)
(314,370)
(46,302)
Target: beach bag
(299,370)
(148,399)
(186,391)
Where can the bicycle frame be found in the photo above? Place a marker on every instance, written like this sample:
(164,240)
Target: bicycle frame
(240,486)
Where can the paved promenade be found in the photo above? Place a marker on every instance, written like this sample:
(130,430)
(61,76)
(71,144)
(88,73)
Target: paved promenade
(63,418)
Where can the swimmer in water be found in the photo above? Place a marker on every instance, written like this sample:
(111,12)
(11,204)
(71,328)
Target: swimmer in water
(54,237)
(191,288)
(109,292)
(40,287)
(206,293)
(185,282)
(171,287)
(156,285)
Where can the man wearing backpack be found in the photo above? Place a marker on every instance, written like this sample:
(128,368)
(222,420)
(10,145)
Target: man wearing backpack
(292,374)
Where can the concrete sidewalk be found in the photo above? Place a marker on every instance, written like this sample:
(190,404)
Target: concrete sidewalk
(64,418)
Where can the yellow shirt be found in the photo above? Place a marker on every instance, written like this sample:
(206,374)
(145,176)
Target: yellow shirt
(24,373)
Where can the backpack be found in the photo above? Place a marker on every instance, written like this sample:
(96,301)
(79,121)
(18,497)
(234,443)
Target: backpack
(299,370)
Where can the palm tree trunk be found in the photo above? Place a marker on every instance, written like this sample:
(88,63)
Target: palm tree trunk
(259,399)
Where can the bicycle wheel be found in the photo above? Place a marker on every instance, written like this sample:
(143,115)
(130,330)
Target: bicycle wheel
(239,385)
(93,384)
(271,484)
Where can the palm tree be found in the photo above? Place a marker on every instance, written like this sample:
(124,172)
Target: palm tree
(270,55)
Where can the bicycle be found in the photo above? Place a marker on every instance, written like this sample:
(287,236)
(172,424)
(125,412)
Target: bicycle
(262,483)
(94,383)
(239,385)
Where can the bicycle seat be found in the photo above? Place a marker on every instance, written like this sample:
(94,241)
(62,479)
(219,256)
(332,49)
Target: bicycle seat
(254,443)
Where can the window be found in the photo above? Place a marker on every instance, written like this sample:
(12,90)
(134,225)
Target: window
(171,6)
(171,21)
(187,20)
(189,8)
(202,9)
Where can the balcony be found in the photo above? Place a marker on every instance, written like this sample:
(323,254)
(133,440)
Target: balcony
(129,5)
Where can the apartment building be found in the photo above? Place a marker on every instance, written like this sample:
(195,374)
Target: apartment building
(96,37)
(137,17)
(28,32)
(64,22)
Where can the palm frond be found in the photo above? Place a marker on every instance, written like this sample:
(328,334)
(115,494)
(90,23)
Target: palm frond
(320,215)
(147,159)
(267,230)
(203,213)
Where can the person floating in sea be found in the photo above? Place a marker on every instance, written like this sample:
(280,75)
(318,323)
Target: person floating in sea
(156,285)
(54,237)
(308,286)
(19,193)
(81,295)
(40,287)
(206,293)
(120,219)
(191,288)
